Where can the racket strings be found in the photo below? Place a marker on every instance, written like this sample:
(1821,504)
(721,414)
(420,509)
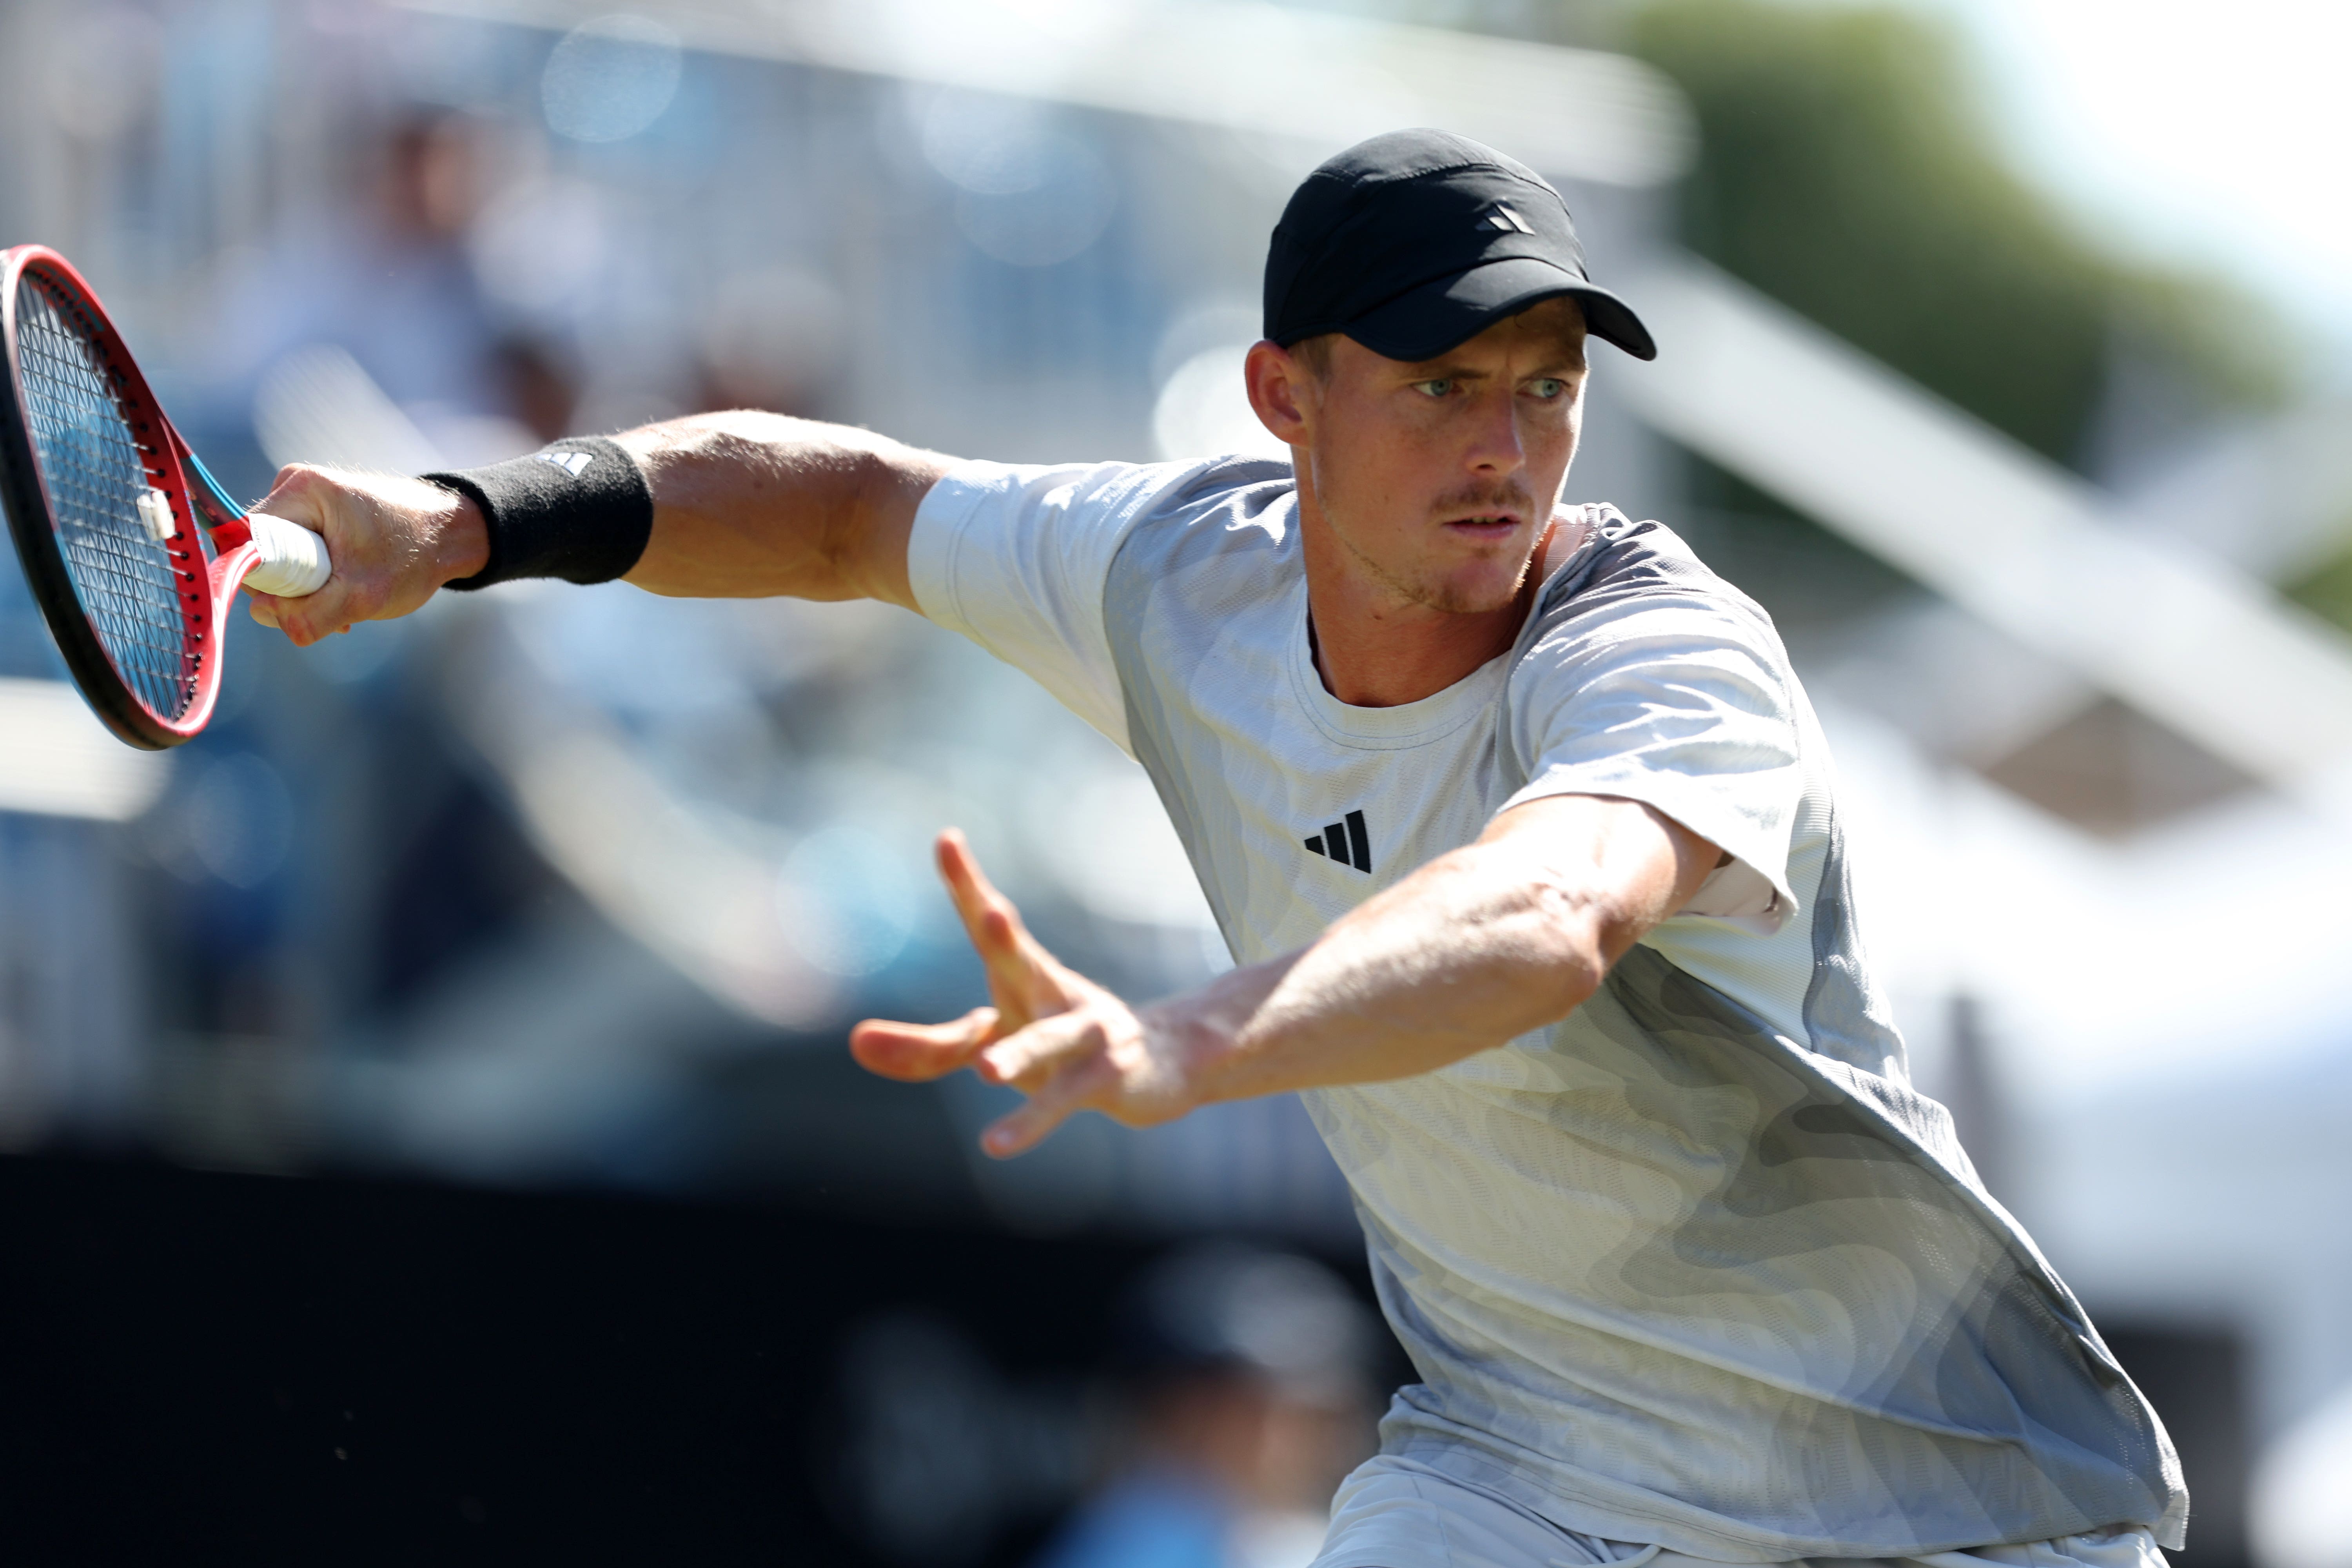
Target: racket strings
(91,463)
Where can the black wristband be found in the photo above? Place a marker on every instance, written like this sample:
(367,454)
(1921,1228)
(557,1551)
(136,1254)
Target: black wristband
(579,509)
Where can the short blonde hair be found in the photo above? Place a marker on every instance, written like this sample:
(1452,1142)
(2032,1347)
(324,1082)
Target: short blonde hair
(1315,354)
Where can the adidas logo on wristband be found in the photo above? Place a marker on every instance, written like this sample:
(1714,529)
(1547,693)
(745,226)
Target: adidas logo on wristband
(572,463)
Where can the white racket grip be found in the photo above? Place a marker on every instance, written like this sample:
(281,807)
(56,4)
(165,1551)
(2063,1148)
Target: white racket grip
(293,559)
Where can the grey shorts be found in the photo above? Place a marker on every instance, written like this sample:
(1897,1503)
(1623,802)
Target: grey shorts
(1394,1513)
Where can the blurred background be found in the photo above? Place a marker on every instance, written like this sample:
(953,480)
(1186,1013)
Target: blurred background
(2005,360)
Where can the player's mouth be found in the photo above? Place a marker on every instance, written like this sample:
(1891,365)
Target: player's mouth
(1484,525)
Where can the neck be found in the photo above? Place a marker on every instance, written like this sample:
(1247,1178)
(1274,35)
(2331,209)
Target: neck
(1376,648)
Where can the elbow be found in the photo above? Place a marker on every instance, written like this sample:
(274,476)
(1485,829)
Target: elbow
(1571,976)
(1572,943)
(846,544)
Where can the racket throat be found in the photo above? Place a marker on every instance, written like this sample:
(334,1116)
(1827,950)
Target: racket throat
(213,505)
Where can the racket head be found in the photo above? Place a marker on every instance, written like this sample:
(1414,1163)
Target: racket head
(82,440)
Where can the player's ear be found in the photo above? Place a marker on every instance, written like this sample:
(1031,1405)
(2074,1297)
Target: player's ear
(1282,391)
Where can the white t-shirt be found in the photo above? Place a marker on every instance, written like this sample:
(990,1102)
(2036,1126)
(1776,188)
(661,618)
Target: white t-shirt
(1696,1265)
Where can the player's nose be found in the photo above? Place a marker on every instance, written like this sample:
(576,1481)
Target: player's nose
(1497,446)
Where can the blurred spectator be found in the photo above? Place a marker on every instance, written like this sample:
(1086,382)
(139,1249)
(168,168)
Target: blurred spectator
(390,284)
(1246,1377)
(541,387)
(771,338)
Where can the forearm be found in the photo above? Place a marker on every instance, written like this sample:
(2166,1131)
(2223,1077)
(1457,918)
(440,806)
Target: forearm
(1477,947)
(1465,954)
(749,504)
(1504,936)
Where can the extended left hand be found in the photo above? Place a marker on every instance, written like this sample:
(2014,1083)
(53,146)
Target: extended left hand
(1054,1035)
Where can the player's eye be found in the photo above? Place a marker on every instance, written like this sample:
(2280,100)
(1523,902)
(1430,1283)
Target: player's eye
(1440,388)
(1547,387)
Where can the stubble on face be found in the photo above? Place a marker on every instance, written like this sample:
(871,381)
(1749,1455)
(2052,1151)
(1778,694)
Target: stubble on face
(1434,586)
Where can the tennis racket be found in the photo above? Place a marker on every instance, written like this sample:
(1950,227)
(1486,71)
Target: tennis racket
(132,550)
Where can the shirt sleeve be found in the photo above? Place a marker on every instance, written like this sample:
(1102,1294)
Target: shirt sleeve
(1680,705)
(1015,558)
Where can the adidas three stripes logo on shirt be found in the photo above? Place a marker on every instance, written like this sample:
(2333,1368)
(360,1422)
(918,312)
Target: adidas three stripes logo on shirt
(1345,842)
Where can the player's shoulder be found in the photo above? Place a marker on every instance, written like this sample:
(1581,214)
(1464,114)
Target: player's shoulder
(1118,494)
(1219,508)
(1618,567)
(1235,489)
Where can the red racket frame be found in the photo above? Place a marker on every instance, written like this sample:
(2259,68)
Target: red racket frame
(205,583)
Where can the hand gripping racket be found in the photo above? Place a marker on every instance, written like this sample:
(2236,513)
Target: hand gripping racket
(132,550)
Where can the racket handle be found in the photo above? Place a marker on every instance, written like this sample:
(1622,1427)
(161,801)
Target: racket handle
(293,559)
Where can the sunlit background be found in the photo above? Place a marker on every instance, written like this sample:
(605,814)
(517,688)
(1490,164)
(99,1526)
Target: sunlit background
(2005,353)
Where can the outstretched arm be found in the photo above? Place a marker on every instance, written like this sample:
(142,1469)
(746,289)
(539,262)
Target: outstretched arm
(745,505)
(752,505)
(1502,936)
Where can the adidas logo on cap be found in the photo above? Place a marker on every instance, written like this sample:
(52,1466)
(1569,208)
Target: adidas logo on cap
(1502,220)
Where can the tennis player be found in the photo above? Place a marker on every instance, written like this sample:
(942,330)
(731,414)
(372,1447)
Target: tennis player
(1525,838)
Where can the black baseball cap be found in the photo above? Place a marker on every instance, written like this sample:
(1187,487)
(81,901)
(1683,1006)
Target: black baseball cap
(1417,240)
